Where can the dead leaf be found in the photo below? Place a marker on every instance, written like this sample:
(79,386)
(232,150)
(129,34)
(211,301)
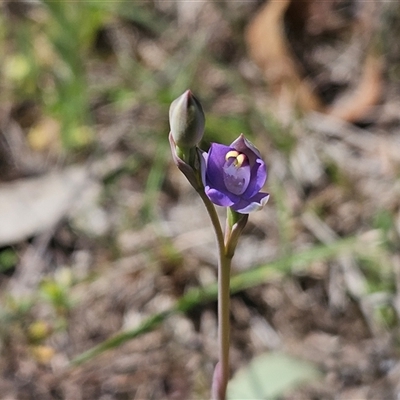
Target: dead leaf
(356,105)
(270,49)
(33,205)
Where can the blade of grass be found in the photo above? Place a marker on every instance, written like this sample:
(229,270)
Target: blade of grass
(239,282)
(137,13)
(154,182)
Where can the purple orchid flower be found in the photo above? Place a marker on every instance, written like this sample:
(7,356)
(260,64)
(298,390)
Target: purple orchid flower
(234,175)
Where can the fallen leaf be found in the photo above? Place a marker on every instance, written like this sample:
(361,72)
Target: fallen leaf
(33,205)
(356,105)
(271,51)
(269,376)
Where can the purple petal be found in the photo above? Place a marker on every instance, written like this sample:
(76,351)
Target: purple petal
(215,164)
(258,177)
(258,168)
(255,203)
(219,198)
(242,145)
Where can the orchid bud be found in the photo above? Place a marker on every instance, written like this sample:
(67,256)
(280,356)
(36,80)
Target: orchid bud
(186,119)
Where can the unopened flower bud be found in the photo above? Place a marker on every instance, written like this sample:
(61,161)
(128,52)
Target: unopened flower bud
(186,119)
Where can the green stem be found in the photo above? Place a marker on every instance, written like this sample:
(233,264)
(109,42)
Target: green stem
(224,273)
(215,222)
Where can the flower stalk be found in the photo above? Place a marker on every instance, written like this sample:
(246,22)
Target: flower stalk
(224,276)
(222,371)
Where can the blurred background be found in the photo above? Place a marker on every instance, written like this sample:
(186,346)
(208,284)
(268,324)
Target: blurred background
(101,234)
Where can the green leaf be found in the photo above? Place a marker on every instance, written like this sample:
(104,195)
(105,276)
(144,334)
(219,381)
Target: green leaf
(269,376)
